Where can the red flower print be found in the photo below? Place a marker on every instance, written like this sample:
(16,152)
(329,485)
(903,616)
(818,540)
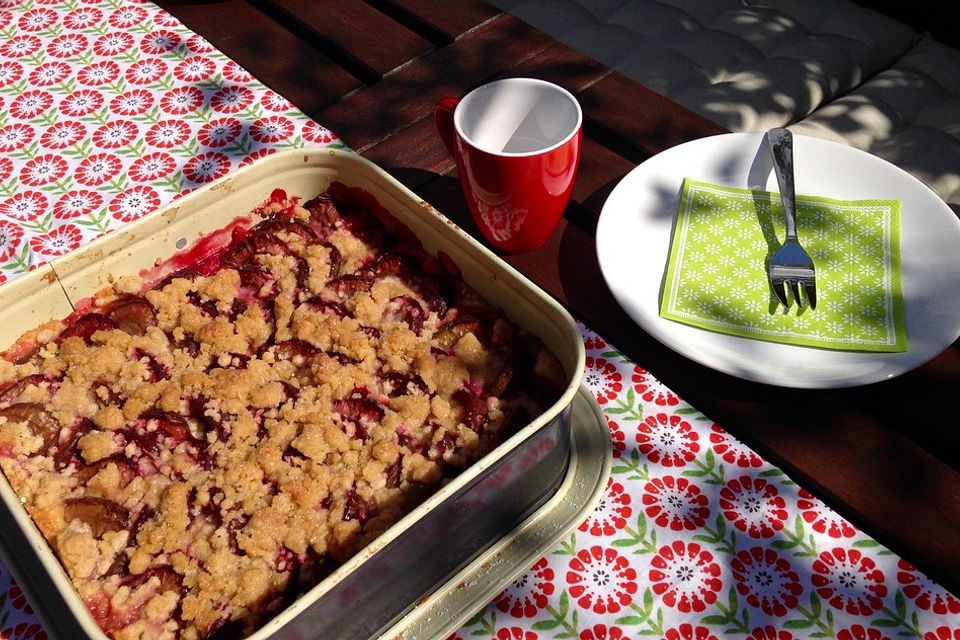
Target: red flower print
(528,594)
(58,242)
(152,166)
(15,136)
(20,46)
(651,389)
(232,71)
(256,155)
(754,506)
(6,17)
(30,104)
(37,20)
(602,632)
(822,518)
(271,129)
(25,206)
(611,513)
(77,203)
(181,100)
(112,44)
(134,203)
(273,101)
(145,71)
(849,581)
(194,69)
(687,631)
(96,169)
(167,134)
(206,167)
(685,576)
(313,132)
(127,17)
(43,170)
(731,450)
(81,103)
(24,631)
(99,73)
(767,581)
(63,134)
(858,632)
(10,72)
(164,19)
(197,44)
(10,236)
(943,633)
(515,633)
(618,439)
(18,599)
(50,73)
(67,45)
(6,168)
(925,593)
(159,42)
(668,440)
(132,103)
(603,378)
(601,580)
(83,18)
(114,135)
(219,133)
(676,503)
(591,343)
(769,633)
(232,99)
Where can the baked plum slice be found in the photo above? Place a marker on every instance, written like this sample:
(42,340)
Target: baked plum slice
(356,508)
(14,389)
(406,309)
(132,315)
(38,421)
(362,413)
(87,325)
(101,514)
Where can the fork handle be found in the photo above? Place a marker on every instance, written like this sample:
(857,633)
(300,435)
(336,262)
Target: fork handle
(781,145)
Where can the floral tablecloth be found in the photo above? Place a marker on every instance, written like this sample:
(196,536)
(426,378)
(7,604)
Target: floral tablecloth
(109,109)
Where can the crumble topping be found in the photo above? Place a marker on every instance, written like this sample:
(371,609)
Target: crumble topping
(200,451)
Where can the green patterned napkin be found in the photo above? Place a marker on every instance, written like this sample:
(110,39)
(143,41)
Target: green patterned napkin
(716,276)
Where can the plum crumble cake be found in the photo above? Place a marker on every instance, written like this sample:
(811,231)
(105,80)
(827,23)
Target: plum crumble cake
(201,450)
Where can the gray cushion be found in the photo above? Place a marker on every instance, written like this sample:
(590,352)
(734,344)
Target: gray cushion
(828,68)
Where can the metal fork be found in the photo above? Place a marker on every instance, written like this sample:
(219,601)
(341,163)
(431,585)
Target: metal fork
(791,265)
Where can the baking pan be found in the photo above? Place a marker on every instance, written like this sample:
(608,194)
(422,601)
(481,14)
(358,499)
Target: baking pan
(375,588)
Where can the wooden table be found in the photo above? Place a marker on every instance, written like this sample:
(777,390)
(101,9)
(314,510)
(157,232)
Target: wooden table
(886,456)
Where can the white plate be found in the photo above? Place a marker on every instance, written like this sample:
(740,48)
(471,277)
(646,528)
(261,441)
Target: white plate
(633,240)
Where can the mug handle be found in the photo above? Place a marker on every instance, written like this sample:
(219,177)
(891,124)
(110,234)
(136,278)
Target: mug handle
(443,117)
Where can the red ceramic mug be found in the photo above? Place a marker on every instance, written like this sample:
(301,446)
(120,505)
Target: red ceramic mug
(517,146)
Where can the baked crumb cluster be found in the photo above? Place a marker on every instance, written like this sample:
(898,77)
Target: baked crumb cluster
(200,451)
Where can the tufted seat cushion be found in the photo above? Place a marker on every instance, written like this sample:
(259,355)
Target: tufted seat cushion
(828,68)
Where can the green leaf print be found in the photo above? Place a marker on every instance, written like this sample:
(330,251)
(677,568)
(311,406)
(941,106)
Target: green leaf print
(811,618)
(632,467)
(638,538)
(627,408)
(805,544)
(645,614)
(730,615)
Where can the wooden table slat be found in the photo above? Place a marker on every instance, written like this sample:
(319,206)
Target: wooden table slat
(410,94)
(380,45)
(285,62)
(438,16)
